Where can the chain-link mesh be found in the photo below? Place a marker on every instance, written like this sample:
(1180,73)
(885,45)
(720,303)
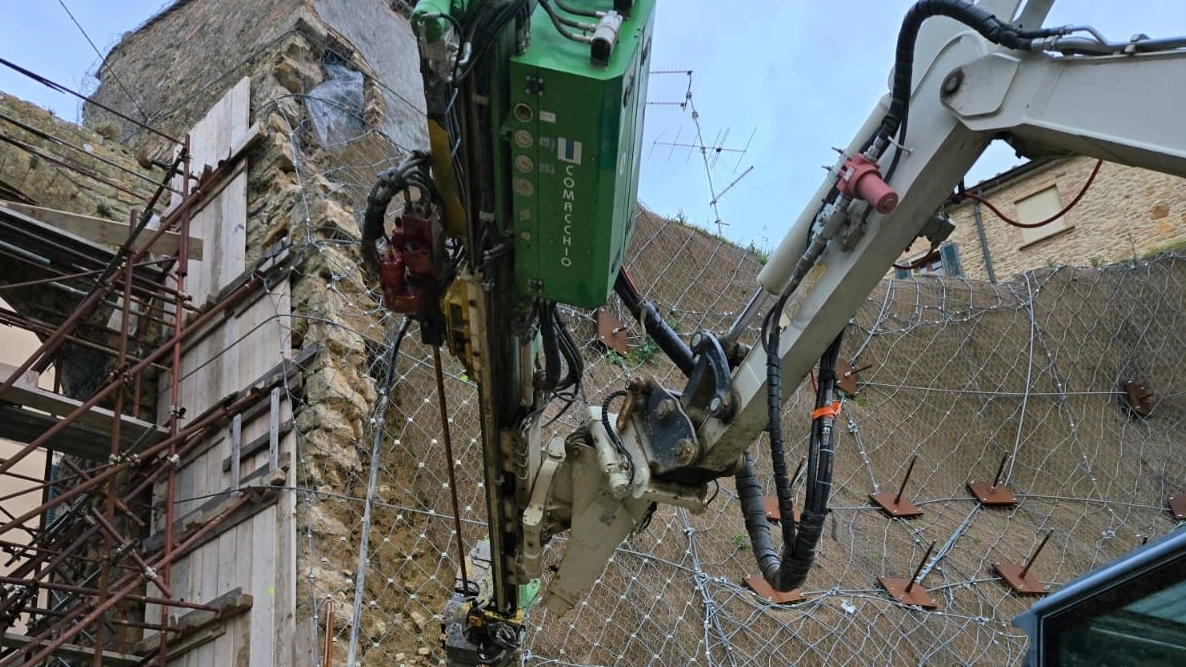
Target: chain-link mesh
(960,374)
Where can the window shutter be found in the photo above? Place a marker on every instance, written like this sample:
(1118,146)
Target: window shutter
(950,254)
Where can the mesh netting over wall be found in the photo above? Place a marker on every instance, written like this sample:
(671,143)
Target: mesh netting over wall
(961,374)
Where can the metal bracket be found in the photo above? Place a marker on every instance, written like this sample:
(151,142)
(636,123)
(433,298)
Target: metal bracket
(710,382)
(665,431)
(772,511)
(995,494)
(895,505)
(846,376)
(1137,397)
(907,591)
(1019,577)
(610,331)
(1178,506)
(757,583)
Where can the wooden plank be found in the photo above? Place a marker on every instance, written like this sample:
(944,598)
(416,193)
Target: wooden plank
(227,551)
(102,231)
(222,222)
(78,652)
(286,556)
(24,425)
(210,565)
(25,392)
(242,534)
(263,589)
(194,585)
(264,486)
(260,443)
(244,543)
(200,487)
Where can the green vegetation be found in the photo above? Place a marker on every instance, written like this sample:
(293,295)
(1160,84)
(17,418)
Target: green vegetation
(1176,247)
(760,254)
(645,353)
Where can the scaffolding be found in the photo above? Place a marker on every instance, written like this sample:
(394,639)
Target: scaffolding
(88,570)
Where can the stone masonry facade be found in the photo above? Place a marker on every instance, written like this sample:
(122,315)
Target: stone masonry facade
(1126,213)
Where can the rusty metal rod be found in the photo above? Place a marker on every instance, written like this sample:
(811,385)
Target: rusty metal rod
(104,284)
(36,326)
(1034,556)
(118,382)
(52,566)
(799,469)
(38,487)
(329,633)
(38,611)
(115,535)
(906,478)
(68,627)
(21,550)
(82,590)
(922,563)
(110,471)
(449,464)
(1000,471)
(182,272)
(82,260)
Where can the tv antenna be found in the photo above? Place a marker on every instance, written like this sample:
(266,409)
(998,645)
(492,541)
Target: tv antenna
(710,153)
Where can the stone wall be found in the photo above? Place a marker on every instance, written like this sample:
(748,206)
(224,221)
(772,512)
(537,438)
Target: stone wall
(1126,213)
(177,63)
(70,168)
(44,183)
(309,189)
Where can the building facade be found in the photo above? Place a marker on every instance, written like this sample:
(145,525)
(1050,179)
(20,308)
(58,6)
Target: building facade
(1122,213)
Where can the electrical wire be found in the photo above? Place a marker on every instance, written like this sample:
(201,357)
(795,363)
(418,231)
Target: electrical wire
(100,54)
(575,11)
(53,85)
(1031,225)
(788,571)
(613,435)
(560,22)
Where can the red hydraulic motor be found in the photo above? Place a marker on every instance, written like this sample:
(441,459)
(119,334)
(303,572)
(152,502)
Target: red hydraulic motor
(411,267)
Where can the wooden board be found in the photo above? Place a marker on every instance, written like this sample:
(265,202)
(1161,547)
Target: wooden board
(257,555)
(84,437)
(102,231)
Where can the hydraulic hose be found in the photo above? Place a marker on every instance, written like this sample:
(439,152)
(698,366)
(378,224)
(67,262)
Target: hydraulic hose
(644,311)
(390,182)
(789,571)
(988,25)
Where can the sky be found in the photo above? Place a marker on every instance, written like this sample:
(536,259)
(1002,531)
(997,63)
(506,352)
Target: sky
(783,80)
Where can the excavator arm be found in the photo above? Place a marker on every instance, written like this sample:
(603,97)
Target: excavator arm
(535,116)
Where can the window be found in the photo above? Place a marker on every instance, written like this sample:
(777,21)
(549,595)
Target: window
(1131,611)
(944,263)
(1037,207)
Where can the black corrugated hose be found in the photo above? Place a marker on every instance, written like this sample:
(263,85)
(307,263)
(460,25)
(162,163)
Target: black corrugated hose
(789,571)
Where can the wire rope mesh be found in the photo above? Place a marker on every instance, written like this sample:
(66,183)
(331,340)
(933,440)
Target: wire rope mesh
(961,374)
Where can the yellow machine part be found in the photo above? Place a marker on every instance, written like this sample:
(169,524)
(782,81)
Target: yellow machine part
(461,313)
(454,218)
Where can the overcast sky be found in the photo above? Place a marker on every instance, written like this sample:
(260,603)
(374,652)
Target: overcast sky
(797,76)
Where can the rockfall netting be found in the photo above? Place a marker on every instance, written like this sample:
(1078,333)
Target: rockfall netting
(961,374)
